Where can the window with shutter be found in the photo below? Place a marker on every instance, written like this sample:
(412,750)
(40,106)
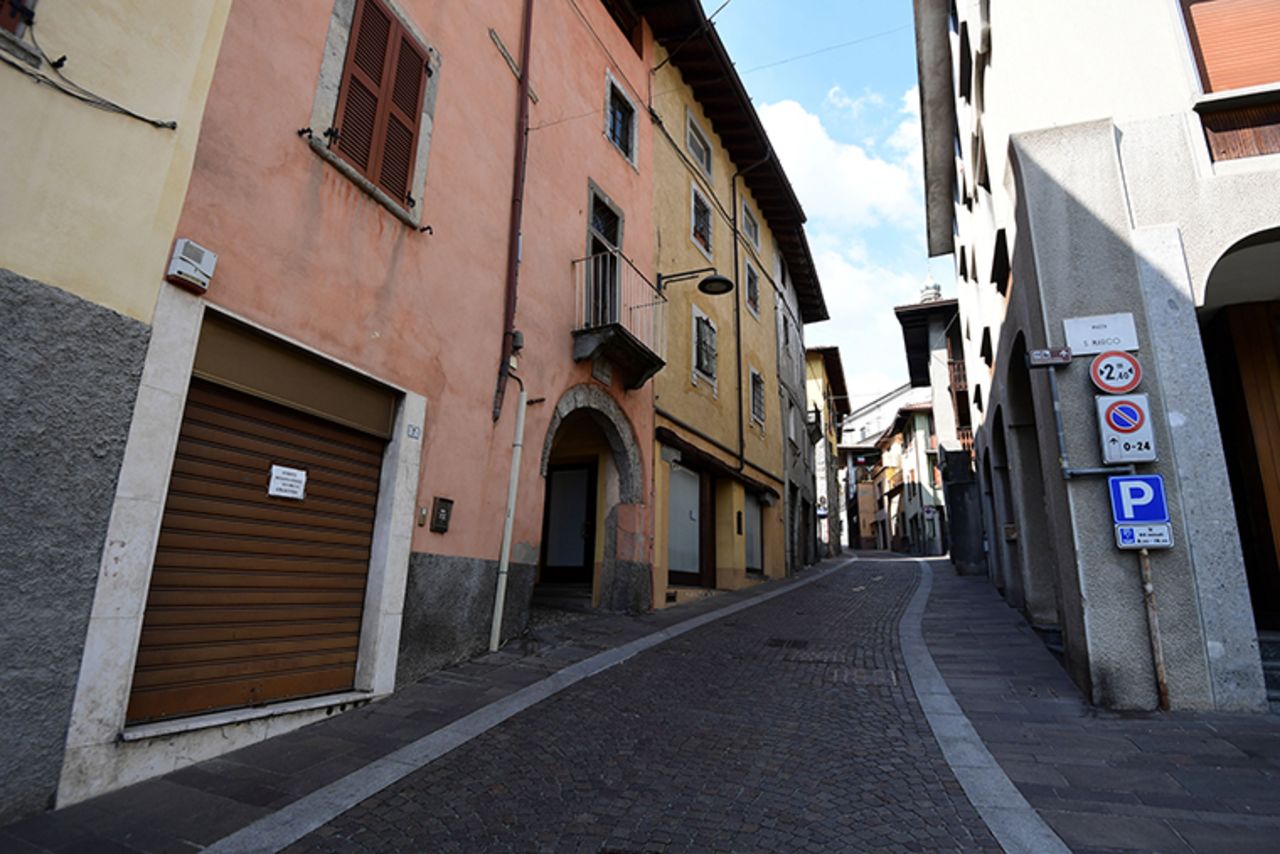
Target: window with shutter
(379,111)
(700,221)
(1236,42)
(753,290)
(757,396)
(705,347)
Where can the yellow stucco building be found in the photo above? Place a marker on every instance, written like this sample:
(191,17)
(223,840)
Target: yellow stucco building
(723,208)
(102,105)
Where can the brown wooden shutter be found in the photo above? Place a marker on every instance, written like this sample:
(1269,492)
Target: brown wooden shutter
(380,105)
(1236,42)
(404,112)
(362,78)
(256,599)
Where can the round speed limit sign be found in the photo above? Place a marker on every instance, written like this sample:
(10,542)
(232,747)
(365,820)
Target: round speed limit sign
(1115,372)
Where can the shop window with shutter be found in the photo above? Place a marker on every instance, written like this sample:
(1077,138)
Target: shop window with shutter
(371,116)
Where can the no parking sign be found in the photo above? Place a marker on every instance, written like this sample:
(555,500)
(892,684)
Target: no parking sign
(1124,426)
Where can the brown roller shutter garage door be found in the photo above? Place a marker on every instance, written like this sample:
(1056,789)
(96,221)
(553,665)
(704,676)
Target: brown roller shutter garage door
(256,599)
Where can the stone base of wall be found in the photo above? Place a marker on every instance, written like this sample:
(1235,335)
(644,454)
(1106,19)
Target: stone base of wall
(67,389)
(448,607)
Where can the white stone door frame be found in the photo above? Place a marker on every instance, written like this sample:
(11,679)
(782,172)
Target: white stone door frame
(101,752)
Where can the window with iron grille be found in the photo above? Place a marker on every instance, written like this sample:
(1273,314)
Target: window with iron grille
(750,227)
(700,222)
(620,124)
(380,102)
(757,396)
(704,345)
(753,290)
(699,146)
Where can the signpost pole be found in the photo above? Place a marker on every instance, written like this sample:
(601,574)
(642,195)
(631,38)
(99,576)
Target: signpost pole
(1153,628)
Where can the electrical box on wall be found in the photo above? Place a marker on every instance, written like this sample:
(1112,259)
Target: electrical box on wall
(441,510)
(191,266)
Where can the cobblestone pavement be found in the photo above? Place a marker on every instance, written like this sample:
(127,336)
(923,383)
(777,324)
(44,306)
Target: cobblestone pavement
(789,726)
(1104,781)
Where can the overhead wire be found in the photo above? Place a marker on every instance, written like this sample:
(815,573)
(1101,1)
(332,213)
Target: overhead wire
(72,89)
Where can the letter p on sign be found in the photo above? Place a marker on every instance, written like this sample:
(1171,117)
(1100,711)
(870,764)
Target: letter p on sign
(1138,499)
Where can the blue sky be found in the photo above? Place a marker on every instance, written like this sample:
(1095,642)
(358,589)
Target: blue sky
(846,125)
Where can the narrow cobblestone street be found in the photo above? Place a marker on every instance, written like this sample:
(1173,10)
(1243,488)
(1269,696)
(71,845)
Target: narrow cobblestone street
(788,727)
(784,718)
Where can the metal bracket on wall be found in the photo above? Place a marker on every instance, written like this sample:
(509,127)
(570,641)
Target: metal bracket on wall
(1049,361)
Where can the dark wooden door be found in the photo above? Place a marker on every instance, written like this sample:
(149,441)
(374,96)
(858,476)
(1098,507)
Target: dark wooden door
(256,598)
(1242,345)
(568,524)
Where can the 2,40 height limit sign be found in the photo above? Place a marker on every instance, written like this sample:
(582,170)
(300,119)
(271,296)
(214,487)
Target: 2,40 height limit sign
(1115,372)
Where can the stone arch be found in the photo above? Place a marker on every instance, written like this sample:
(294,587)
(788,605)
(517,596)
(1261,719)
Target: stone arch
(622,579)
(600,406)
(1244,271)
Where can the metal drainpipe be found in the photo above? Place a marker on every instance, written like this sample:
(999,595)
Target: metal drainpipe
(513,485)
(517,212)
(737,303)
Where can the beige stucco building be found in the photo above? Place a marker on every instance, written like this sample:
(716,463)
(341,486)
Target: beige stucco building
(720,520)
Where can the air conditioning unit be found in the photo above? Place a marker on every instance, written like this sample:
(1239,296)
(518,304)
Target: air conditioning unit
(191,266)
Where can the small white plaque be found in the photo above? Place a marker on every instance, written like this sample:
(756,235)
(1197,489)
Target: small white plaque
(287,483)
(1157,536)
(1087,336)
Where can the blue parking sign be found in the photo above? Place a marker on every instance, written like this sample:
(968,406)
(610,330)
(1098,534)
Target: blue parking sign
(1138,498)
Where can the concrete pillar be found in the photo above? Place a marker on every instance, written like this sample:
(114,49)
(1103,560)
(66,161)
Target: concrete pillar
(1072,198)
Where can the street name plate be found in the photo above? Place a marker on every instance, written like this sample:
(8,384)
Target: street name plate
(1156,536)
(1088,336)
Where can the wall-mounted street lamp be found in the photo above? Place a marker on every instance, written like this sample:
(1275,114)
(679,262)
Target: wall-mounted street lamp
(712,285)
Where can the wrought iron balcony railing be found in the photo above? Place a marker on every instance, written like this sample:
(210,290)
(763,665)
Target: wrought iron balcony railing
(620,315)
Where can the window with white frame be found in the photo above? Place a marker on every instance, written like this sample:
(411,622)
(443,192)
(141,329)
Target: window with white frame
(753,290)
(757,397)
(620,121)
(700,220)
(698,144)
(704,346)
(750,226)
(793,424)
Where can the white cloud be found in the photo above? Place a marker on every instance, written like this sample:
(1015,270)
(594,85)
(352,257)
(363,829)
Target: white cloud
(837,98)
(841,183)
(866,215)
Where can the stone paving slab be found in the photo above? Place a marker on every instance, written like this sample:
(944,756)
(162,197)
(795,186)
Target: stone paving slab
(1105,781)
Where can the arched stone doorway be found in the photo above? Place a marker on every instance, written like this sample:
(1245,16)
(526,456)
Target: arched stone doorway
(1240,329)
(595,546)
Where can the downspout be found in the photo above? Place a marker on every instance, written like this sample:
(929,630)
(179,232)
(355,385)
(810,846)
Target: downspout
(514,236)
(737,303)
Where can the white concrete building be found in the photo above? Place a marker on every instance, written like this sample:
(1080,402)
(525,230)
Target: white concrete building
(1101,158)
